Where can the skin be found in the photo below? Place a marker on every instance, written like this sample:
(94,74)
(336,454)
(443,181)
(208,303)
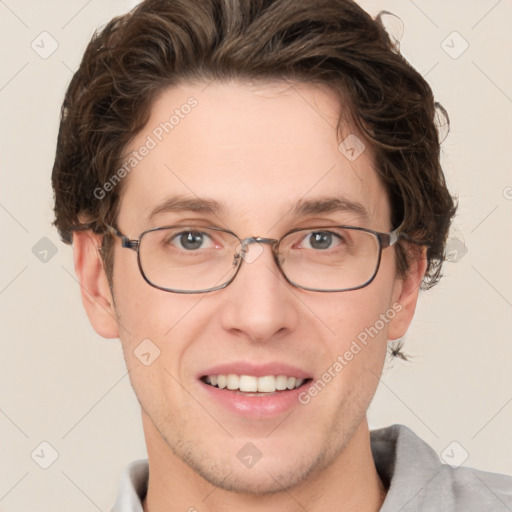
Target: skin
(257,150)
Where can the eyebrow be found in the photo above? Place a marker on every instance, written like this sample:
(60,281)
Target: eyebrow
(181,204)
(302,208)
(330,205)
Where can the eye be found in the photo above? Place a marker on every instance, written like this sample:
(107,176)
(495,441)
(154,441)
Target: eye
(191,240)
(321,240)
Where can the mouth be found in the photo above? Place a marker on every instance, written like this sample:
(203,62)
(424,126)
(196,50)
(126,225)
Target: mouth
(251,385)
(258,391)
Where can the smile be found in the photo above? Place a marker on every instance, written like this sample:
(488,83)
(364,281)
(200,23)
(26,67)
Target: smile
(253,384)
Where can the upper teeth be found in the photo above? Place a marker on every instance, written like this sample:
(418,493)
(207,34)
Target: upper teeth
(249,383)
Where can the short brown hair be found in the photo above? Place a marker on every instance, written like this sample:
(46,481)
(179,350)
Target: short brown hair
(333,43)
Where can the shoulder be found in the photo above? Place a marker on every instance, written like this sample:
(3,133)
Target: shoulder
(477,490)
(418,481)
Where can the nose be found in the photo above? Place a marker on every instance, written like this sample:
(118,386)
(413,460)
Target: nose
(261,304)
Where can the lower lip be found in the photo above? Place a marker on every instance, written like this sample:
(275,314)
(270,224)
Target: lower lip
(256,406)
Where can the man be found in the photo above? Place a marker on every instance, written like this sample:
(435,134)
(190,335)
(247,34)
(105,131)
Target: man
(254,196)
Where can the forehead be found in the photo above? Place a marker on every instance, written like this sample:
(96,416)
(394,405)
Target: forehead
(255,150)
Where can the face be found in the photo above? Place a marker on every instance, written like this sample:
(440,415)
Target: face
(257,151)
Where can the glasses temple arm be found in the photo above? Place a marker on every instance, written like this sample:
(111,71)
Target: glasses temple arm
(125,241)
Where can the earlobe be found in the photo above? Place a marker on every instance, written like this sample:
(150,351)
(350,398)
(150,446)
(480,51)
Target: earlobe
(405,297)
(96,295)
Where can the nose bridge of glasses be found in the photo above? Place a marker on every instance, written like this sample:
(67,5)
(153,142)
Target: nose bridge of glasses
(243,247)
(257,240)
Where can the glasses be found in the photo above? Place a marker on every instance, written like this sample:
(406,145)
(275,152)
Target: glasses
(200,259)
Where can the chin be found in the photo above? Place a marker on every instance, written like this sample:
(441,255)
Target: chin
(262,475)
(261,479)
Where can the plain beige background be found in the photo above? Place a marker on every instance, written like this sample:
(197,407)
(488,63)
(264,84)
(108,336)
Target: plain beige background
(64,385)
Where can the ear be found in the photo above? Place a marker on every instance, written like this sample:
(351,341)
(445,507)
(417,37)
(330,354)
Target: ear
(405,296)
(96,295)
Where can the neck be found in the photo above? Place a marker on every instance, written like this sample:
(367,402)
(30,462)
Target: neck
(349,483)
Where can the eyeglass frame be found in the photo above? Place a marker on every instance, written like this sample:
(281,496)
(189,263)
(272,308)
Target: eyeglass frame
(385,240)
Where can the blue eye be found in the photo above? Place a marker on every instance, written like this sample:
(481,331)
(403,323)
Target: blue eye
(321,240)
(191,240)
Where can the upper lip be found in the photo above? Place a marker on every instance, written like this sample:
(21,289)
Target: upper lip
(257,370)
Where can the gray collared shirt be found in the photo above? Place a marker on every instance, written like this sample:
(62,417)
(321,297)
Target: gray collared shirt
(416,479)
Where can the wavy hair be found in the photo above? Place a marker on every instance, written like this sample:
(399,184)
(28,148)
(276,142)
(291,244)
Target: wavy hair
(337,44)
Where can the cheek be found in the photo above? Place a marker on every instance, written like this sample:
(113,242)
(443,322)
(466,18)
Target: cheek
(157,332)
(155,345)
(362,324)
(142,310)
(352,366)
(360,315)
(355,326)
